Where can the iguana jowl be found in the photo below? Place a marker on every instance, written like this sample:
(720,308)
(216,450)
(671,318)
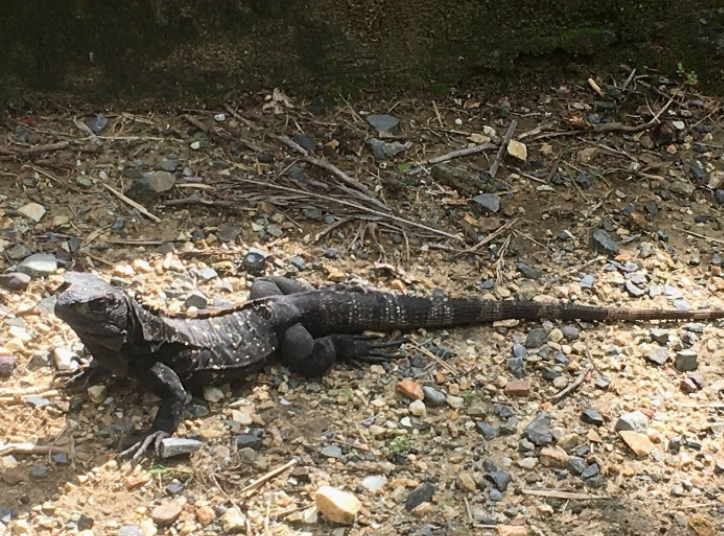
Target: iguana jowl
(307,330)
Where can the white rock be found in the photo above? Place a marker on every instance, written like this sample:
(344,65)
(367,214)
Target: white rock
(196,145)
(374,483)
(64,359)
(241,417)
(336,505)
(417,408)
(213,394)
(97,393)
(518,150)
(34,211)
(233,520)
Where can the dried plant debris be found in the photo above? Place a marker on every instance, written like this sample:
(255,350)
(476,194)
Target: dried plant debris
(603,192)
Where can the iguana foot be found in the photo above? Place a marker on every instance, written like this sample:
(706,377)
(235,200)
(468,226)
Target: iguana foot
(135,446)
(361,348)
(79,380)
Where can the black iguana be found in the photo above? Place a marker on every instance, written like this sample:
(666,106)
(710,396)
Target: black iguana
(307,330)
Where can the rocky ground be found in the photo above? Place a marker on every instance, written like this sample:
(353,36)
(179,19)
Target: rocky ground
(606,192)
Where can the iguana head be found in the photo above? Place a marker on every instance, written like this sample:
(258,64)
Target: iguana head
(98,312)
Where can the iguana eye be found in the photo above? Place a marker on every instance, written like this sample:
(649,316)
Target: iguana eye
(99,305)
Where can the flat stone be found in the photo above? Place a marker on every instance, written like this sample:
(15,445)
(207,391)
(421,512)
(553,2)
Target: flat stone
(419,495)
(38,265)
(488,201)
(374,483)
(336,505)
(488,431)
(536,337)
(147,188)
(553,456)
(383,122)
(233,521)
(14,280)
(499,479)
(411,389)
(466,482)
(538,431)
(176,446)
(658,355)
(591,416)
(518,150)
(331,451)
(639,443)
(417,408)
(205,515)
(633,421)
(686,360)
(433,397)
(166,513)
(34,211)
(602,242)
(518,388)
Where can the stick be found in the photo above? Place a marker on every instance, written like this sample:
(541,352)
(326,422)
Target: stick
(568,495)
(574,385)
(139,208)
(506,141)
(595,87)
(460,152)
(703,237)
(28,151)
(30,448)
(268,476)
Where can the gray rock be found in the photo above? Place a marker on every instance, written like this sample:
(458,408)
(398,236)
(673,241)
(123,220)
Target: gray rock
(17,252)
(196,299)
(536,337)
(587,282)
(590,471)
(298,262)
(634,421)
(660,336)
(382,150)
(719,467)
(251,441)
(130,530)
(499,479)
(14,280)
(207,273)
(37,401)
(576,465)
(383,122)
(306,142)
(39,471)
(168,165)
(84,522)
(254,261)
(602,242)
(175,446)
(686,360)
(8,362)
(570,333)
(488,201)
(419,495)
(331,451)
(591,416)
(528,271)
(486,430)
(433,397)
(633,290)
(38,265)
(538,431)
(229,234)
(247,456)
(147,188)
(516,366)
(658,355)
(98,123)
(719,196)
(495,495)
(646,249)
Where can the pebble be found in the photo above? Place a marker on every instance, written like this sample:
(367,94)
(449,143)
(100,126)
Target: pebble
(232,520)
(536,337)
(411,389)
(634,421)
(553,457)
(686,360)
(382,122)
(336,505)
(528,462)
(433,397)
(576,465)
(38,265)
(419,495)
(538,431)
(455,402)
(499,479)
(639,443)
(8,362)
(518,388)
(417,408)
(591,416)
(331,451)
(34,211)
(64,359)
(176,446)
(590,471)
(518,150)
(658,355)
(488,201)
(205,515)
(166,513)
(147,188)
(213,394)
(374,483)
(488,431)
(97,393)
(602,242)
(14,280)
(130,530)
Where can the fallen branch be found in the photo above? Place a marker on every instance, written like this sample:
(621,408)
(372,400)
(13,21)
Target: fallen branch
(467,151)
(566,495)
(703,237)
(506,140)
(29,151)
(131,202)
(30,448)
(266,477)
(571,387)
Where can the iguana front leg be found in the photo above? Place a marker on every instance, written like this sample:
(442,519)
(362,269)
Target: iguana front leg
(162,381)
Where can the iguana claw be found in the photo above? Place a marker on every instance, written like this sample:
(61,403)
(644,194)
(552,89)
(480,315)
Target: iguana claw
(139,445)
(359,349)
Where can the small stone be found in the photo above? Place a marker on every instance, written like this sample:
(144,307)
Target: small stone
(147,188)
(411,389)
(590,471)
(130,530)
(176,446)
(528,271)
(247,456)
(383,122)
(433,397)
(466,483)
(64,359)
(34,211)
(8,362)
(555,335)
(602,242)
(518,150)
(374,483)
(518,388)
(528,463)
(499,479)
(688,386)
(455,402)
(634,421)
(417,408)
(213,394)
(205,515)
(576,465)
(331,451)
(97,393)
(686,360)
(591,416)
(14,280)
(553,456)
(488,431)
(248,441)
(38,265)
(336,505)
(640,444)
(538,431)
(166,513)
(98,123)
(658,355)
(512,530)
(233,521)
(488,201)
(536,337)
(254,261)
(419,495)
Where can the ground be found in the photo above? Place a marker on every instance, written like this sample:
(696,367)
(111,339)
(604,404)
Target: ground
(639,158)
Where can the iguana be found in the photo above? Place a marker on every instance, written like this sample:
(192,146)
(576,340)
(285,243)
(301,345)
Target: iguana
(308,330)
